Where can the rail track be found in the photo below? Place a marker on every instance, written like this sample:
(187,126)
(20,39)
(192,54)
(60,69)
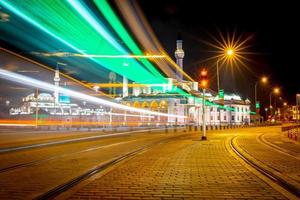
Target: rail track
(267,173)
(51,194)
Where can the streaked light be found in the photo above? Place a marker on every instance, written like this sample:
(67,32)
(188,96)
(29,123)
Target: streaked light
(46,86)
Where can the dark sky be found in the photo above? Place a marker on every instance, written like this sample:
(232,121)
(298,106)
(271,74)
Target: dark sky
(275,41)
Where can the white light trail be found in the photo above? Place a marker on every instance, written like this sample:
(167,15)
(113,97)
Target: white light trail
(46,86)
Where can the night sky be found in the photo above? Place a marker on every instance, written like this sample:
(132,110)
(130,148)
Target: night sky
(272,49)
(274,43)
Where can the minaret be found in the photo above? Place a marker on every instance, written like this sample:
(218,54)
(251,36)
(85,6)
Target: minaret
(179,54)
(56,83)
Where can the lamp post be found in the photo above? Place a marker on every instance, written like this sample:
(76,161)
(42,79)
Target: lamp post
(263,80)
(276,91)
(266,112)
(228,53)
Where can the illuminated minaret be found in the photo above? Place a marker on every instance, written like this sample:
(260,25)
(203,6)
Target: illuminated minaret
(56,83)
(179,54)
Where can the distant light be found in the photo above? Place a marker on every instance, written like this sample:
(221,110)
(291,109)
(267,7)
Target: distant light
(264,79)
(276,90)
(203,72)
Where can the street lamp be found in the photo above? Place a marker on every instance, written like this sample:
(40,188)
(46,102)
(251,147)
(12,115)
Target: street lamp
(228,53)
(266,111)
(276,91)
(264,80)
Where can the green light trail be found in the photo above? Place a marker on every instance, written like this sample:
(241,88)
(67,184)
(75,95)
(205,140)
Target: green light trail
(80,37)
(108,13)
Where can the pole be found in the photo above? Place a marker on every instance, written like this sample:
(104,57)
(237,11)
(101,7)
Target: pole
(271,104)
(255,99)
(255,93)
(203,117)
(218,78)
(297,108)
(218,81)
(37,108)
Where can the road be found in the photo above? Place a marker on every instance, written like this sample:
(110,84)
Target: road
(155,165)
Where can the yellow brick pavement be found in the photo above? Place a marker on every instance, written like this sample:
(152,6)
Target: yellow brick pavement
(182,169)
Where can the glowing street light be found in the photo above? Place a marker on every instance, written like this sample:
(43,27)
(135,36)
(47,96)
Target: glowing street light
(276,91)
(264,80)
(228,53)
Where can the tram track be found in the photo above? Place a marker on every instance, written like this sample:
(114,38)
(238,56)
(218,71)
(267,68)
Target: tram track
(55,157)
(41,161)
(73,140)
(54,192)
(292,189)
(290,153)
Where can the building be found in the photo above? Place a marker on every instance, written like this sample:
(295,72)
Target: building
(55,104)
(230,110)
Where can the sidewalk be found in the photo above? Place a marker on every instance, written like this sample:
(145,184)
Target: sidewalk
(182,169)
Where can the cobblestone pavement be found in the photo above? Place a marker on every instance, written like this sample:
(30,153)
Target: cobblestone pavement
(61,163)
(274,158)
(283,142)
(182,169)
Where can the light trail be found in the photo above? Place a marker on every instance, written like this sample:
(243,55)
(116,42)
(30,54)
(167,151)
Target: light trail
(11,122)
(51,69)
(68,54)
(87,37)
(46,86)
(144,34)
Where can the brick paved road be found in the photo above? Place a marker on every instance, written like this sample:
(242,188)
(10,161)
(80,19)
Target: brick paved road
(182,169)
(62,163)
(288,166)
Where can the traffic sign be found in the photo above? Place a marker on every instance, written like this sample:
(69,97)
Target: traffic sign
(257,105)
(221,94)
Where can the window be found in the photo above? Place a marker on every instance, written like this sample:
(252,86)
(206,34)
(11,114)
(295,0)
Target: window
(211,118)
(211,109)
(224,117)
(237,109)
(232,117)
(218,117)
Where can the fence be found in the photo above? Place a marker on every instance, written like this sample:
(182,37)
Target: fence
(292,132)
